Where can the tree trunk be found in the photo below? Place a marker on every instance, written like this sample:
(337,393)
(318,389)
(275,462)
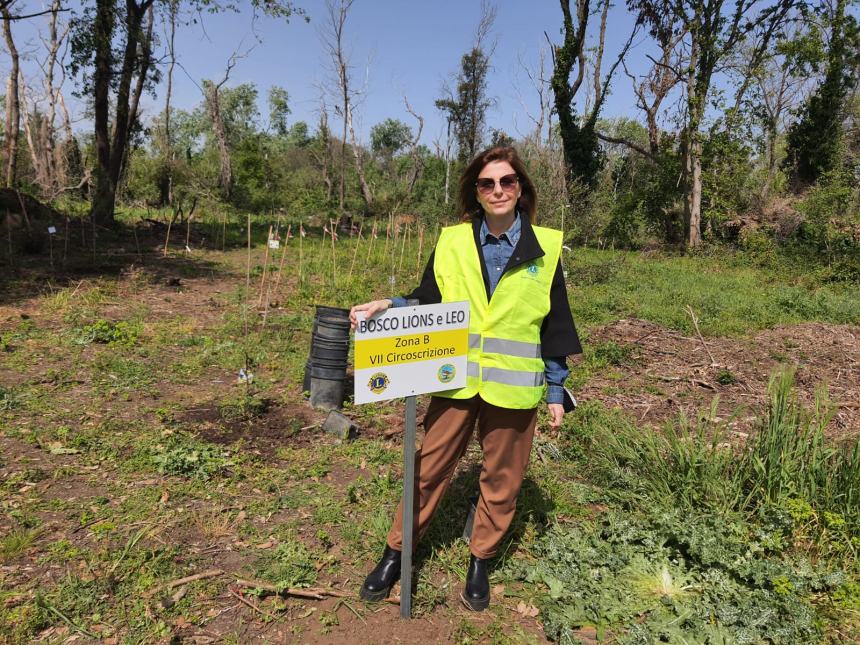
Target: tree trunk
(143,69)
(111,153)
(36,158)
(359,163)
(166,187)
(694,193)
(326,153)
(13,107)
(104,193)
(225,176)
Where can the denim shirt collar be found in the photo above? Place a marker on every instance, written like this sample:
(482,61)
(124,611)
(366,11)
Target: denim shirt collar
(512,235)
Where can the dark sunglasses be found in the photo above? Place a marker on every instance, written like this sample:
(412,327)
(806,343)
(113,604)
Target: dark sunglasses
(508,183)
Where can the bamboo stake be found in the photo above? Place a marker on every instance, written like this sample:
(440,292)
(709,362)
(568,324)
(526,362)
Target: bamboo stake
(301,255)
(277,278)
(420,248)
(283,256)
(370,247)
(248,262)
(355,253)
(224,230)
(387,236)
(333,258)
(9,234)
(66,241)
(403,239)
(265,268)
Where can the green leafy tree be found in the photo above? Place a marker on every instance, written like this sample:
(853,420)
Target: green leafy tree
(712,31)
(466,109)
(814,140)
(279,110)
(389,137)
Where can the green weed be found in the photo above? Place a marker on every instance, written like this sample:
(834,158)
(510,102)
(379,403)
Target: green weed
(16,542)
(102,331)
(669,577)
(9,399)
(290,565)
(187,457)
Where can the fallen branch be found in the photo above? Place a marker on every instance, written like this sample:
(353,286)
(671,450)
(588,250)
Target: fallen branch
(203,575)
(695,320)
(314,593)
(247,602)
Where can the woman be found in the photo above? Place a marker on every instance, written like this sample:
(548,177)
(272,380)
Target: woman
(520,331)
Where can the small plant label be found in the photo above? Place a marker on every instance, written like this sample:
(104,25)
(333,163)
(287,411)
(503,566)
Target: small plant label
(52,230)
(274,244)
(411,350)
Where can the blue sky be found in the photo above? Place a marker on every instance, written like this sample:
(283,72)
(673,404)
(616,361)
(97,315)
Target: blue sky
(395,47)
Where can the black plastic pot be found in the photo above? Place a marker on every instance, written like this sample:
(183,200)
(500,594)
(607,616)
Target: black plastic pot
(331,312)
(327,394)
(328,353)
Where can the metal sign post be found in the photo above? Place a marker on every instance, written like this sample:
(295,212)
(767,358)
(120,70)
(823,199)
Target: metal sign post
(408,509)
(401,353)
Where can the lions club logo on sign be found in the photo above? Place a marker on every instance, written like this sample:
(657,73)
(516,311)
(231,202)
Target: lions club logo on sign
(378,382)
(446,373)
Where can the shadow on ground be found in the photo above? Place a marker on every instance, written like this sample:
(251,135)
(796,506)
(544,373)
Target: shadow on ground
(67,258)
(534,509)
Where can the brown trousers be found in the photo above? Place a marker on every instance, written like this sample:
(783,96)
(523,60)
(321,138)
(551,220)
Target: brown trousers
(506,441)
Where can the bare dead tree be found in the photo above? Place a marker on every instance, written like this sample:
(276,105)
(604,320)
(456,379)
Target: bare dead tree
(33,121)
(417,164)
(601,43)
(212,96)
(333,40)
(323,155)
(540,86)
(779,88)
(13,106)
(651,91)
(53,161)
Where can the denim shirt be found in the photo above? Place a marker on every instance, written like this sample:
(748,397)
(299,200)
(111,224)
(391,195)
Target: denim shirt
(497,251)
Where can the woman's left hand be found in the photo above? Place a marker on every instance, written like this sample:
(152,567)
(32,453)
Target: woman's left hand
(556,414)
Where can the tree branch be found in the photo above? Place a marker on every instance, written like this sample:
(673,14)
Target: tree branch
(624,142)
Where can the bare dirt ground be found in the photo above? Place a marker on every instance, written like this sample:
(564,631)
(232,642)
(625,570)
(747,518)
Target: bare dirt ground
(670,373)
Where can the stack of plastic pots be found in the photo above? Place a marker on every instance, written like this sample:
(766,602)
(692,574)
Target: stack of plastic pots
(325,371)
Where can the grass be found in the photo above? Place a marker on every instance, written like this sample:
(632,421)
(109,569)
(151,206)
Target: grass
(692,464)
(111,375)
(16,542)
(730,296)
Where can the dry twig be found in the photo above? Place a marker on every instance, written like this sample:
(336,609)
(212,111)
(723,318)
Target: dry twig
(314,593)
(695,320)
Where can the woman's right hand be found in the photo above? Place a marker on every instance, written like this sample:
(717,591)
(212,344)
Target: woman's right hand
(370,308)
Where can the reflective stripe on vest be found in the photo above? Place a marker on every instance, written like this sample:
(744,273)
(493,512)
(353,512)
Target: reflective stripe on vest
(504,365)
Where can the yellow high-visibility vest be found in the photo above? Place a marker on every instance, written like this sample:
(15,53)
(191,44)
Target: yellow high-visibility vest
(504,361)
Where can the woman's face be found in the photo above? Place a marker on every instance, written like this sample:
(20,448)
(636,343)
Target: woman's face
(501,201)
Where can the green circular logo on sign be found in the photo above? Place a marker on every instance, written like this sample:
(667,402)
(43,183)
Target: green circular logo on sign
(446,373)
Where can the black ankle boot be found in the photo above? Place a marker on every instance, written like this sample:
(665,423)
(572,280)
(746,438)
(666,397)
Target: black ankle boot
(476,595)
(378,582)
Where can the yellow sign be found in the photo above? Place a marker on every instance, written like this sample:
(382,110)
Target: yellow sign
(411,350)
(394,350)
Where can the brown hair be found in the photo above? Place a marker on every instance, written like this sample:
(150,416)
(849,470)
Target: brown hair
(467,198)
